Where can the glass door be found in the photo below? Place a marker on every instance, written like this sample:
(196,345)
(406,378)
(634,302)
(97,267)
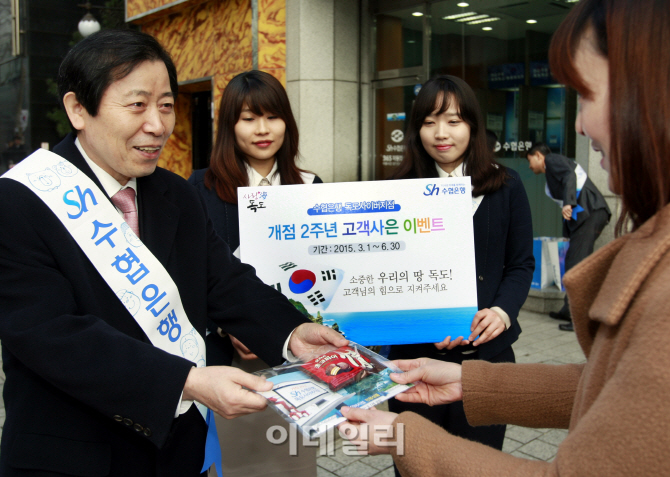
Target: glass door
(500,48)
(393,102)
(400,59)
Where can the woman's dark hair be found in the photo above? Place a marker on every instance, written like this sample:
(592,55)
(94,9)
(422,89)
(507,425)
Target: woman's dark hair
(107,56)
(261,93)
(631,35)
(480,164)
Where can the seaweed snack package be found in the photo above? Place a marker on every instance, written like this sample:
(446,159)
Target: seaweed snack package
(310,392)
(342,367)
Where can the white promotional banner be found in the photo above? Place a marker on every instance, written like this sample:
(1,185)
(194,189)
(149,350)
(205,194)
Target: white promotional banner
(386,262)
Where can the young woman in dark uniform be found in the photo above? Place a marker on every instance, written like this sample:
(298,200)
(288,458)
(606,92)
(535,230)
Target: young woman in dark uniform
(256,145)
(446,136)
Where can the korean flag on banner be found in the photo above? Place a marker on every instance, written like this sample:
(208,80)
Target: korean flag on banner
(314,288)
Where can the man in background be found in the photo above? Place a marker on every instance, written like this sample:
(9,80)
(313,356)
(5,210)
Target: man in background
(585,212)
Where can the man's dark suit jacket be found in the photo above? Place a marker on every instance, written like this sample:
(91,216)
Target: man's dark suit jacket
(226,223)
(503,233)
(562,184)
(86,393)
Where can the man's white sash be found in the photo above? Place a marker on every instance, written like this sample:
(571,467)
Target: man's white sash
(137,278)
(581,180)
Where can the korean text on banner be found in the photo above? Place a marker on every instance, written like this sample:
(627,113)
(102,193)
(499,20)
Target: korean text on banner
(387,262)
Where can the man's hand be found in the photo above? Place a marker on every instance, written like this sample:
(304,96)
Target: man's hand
(487,324)
(309,338)
(244,352)
(368,430)
(567,212)
(220,389)
(438,382)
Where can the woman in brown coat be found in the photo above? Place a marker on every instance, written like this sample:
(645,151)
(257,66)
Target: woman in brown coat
(613,52)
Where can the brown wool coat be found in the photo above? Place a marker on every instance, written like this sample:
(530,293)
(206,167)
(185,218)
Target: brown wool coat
(616,406)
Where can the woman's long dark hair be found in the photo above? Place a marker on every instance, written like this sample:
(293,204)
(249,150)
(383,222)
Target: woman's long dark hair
(262,93)
(437,95)
(630,35)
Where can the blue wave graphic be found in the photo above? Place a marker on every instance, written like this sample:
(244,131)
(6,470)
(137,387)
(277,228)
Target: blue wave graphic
(403,326)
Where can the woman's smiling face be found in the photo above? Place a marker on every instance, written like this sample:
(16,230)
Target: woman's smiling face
(445,136)
(259,137)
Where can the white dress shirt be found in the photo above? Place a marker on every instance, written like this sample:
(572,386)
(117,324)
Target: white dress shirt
(273,178)
(110,185)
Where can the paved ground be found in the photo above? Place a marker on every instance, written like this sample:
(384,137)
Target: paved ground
(540,342)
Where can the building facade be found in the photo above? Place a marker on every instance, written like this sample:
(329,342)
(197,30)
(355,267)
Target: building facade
(500,48)
(353,67)
(34,37)
(210,42)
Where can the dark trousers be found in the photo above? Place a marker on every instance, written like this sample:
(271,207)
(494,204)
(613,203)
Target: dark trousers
(582,240)
(451,417)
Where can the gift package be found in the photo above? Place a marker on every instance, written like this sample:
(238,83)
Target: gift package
(310,392)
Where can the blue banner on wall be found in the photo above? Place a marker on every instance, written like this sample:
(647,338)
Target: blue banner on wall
(507,75)
(540,74)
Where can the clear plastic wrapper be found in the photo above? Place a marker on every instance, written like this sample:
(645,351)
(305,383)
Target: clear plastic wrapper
(311,391)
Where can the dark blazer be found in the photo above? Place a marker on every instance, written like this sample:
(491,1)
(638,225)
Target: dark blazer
(504,260)
(562,184)
(86,393)
(225,219)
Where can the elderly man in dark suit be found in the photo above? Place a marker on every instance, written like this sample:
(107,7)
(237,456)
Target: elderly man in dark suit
(87,391)
(585,212)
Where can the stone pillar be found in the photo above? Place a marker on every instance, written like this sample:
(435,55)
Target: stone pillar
(323,84)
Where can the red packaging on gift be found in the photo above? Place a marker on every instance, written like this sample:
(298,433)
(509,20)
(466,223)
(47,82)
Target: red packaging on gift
(341,367)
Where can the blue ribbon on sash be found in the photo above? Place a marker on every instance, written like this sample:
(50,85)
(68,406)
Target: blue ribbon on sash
(212,446)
